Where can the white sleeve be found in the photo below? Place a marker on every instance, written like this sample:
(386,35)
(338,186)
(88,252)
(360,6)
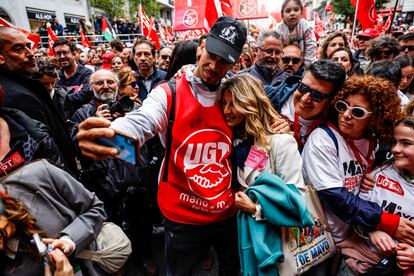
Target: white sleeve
(151,118)
(287,160)
(310,45)
(321,165)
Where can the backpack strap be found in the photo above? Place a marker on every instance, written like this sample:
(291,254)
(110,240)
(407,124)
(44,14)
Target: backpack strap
(332,135)
(171,91)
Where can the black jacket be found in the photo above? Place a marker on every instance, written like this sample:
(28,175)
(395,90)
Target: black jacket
(30,139)
(31,97)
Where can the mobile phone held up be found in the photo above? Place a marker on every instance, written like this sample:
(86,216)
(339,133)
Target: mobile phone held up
(126,145)
(43,251)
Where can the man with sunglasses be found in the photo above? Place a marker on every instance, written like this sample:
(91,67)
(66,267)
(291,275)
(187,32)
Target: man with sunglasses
(195,194)
(365,39)
(384,47)
(407,44)
(292,60)
(164,58)
(268,53)
(304,102)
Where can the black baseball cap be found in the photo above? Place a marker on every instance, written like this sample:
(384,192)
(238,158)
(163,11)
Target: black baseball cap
(226,38)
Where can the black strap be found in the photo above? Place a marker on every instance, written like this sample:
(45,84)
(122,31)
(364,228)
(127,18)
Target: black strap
(332,135)
(171,118)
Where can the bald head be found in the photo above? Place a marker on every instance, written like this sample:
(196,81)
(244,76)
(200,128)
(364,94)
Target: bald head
(16,54)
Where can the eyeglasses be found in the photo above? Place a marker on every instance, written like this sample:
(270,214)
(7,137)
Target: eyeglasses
(384,54)
(410,48)
(271,51)
(65,53)
(134,84)
(165,57)
(295,60)
(356,111)
(314,94)
(102,82)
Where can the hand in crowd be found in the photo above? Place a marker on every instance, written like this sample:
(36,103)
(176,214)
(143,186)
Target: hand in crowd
(244,203)
(91,129)
(405,256)
(61,263)
(66,246)
(405,231)
(383,242)
(368,183)
(280,125)
(103,112)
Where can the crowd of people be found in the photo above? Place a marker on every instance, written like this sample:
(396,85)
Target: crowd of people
(215,119)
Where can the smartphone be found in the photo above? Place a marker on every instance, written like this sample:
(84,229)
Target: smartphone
(43,251)
(126,145)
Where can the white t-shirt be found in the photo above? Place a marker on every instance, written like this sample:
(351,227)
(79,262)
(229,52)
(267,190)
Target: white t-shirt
(392,192)
(325,168)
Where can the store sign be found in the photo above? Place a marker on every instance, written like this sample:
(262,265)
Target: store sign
(40,15)
(72,19)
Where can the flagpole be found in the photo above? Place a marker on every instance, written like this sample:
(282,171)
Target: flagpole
(355,18)
(392,18)
(140,19)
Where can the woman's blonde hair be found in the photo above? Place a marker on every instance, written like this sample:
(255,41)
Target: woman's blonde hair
(251,102)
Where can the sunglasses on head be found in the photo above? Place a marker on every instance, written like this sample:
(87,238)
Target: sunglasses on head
(314,94)
(356,111)
(295,60)
(165,57)
(410,48)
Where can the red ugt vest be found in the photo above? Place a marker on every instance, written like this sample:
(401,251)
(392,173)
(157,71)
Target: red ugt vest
(198,188)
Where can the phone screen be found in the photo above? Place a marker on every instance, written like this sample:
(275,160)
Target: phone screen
(127,147)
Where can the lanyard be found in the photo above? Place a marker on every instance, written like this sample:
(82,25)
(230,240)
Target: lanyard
(297,127)
(357,154)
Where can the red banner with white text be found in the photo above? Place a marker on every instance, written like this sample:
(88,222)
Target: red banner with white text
(189,14)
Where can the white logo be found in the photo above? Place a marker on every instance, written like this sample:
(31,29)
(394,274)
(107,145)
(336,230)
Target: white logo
(229,34)
(231,58)
(190,18)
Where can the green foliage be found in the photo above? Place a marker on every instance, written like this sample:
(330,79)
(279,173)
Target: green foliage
(113,8)
(151,7)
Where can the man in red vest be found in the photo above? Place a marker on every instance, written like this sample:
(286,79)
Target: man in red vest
(195,193)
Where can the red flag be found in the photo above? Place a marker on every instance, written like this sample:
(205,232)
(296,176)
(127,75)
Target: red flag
(153,35)
(169,34)
(213,12)
(189,15)
(388,22)
(144,22)
(34,39)
(85,41)
(51,38)
(367,14)
(226,7)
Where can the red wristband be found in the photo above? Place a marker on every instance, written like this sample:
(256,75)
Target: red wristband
(389,223)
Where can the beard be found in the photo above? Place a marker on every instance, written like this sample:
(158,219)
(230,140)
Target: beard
(105,95)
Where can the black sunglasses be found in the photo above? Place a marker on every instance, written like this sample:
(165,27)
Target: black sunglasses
(165,57)
(386,53)
(314,94)
(410,48)
(134,84)
(295,60)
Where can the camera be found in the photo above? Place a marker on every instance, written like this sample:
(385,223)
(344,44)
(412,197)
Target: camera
(123,105)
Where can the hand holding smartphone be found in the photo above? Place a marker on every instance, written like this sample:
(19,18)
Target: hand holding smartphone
(126,145)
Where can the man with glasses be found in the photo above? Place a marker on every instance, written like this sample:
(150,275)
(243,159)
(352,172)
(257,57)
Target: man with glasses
(164,58)
(292,60)
(304,102)
(195,193)
(268,53)
(365,39)
(72,75)
(407,44)
(148,76)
